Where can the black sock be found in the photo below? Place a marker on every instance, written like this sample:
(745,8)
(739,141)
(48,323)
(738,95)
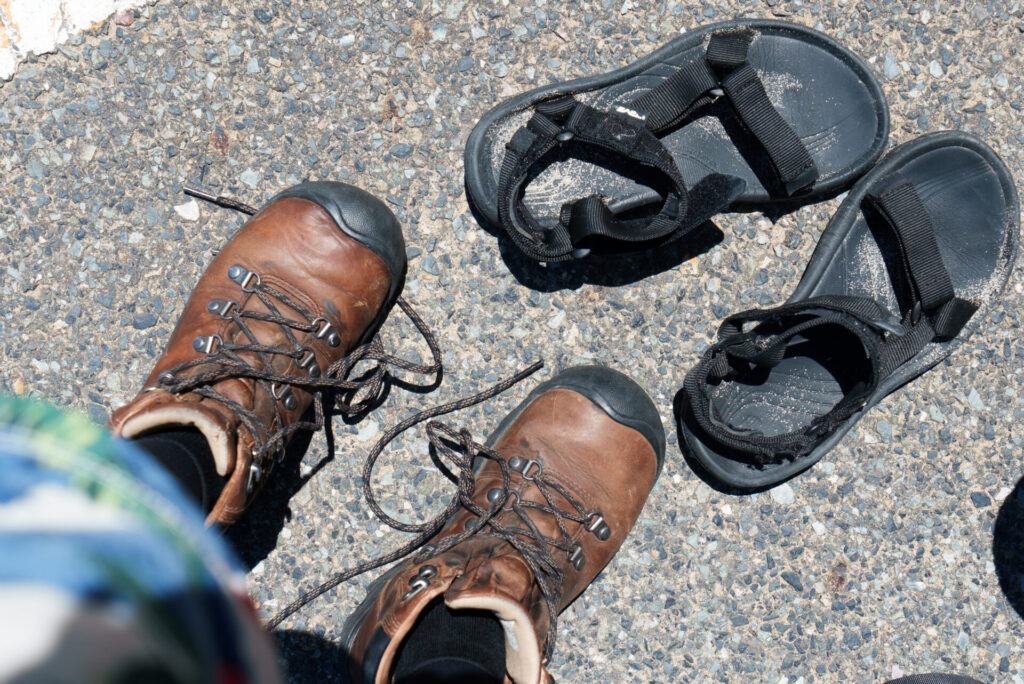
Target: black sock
(447,646)
(186,454)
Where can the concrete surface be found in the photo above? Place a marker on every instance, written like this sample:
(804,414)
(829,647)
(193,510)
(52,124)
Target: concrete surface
(900,552)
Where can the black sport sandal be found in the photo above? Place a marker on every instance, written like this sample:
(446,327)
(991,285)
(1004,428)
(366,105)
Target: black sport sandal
(732,116)
(905,271)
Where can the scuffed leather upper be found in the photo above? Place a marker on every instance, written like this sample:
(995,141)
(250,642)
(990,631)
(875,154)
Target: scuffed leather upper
(607,466)
(296,247)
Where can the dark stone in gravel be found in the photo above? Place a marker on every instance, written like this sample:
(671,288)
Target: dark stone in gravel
(401,150)
(980,499)
(143,321)
(429,264)
(852,640)
(793,580)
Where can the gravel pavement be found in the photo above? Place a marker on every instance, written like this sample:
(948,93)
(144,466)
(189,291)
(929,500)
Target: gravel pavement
(900,552)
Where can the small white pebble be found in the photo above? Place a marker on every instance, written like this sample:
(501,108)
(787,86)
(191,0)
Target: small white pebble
(783,494)
(188,211)
(368,431)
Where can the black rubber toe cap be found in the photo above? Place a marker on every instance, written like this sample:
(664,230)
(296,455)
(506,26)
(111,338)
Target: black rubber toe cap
(359,215)
(616,394)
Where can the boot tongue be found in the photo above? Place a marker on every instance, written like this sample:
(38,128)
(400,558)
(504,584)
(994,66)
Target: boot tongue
(497,579)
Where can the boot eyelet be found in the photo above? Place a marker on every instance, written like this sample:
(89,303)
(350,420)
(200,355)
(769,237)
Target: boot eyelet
(522,466)
(307,362)
(326,332)
(284,394)
(254,478)
(244,277)
(508,502)
(598,527)
(576,557)
(222,307)
(208,344)
(248,279)
(420,581)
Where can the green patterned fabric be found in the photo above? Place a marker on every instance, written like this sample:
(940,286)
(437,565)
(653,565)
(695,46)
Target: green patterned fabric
(106,571)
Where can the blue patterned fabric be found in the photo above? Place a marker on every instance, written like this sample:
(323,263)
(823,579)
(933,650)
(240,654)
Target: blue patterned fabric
(106,571)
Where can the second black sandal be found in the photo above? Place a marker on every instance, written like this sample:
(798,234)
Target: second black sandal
(732,116)
(906,270)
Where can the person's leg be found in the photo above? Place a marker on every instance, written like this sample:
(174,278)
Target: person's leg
(186,455)
(106,571)
(448,646)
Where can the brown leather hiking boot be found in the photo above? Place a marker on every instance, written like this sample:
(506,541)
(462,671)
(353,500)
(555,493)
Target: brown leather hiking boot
(581,455)
(308,279)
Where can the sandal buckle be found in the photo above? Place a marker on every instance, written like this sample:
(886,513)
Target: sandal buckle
(891,326)
(915,313)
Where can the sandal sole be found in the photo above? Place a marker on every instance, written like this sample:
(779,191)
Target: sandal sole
(962,182)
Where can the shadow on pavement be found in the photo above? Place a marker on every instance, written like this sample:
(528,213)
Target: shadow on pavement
(610,270)
(254,535)
(1008,547)
(309,658)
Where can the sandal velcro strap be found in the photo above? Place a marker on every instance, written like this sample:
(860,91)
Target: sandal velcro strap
(725,71)
(564,122)
(899,208)
(761,338)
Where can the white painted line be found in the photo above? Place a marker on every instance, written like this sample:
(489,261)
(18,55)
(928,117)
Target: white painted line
(38,26)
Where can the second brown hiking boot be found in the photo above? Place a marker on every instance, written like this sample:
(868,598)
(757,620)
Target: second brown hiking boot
(309,278)
(581,454)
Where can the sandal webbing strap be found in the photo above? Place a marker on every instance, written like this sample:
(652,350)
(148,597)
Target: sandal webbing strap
(725,67)
(564,126)
(901,210)
(677,97)
(555,126)
(887,343)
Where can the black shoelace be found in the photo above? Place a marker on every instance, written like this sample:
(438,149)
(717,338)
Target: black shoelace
(460,450)
(223,360)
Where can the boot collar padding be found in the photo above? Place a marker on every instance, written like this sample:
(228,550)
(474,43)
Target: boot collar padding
(522,652)
(181,416)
